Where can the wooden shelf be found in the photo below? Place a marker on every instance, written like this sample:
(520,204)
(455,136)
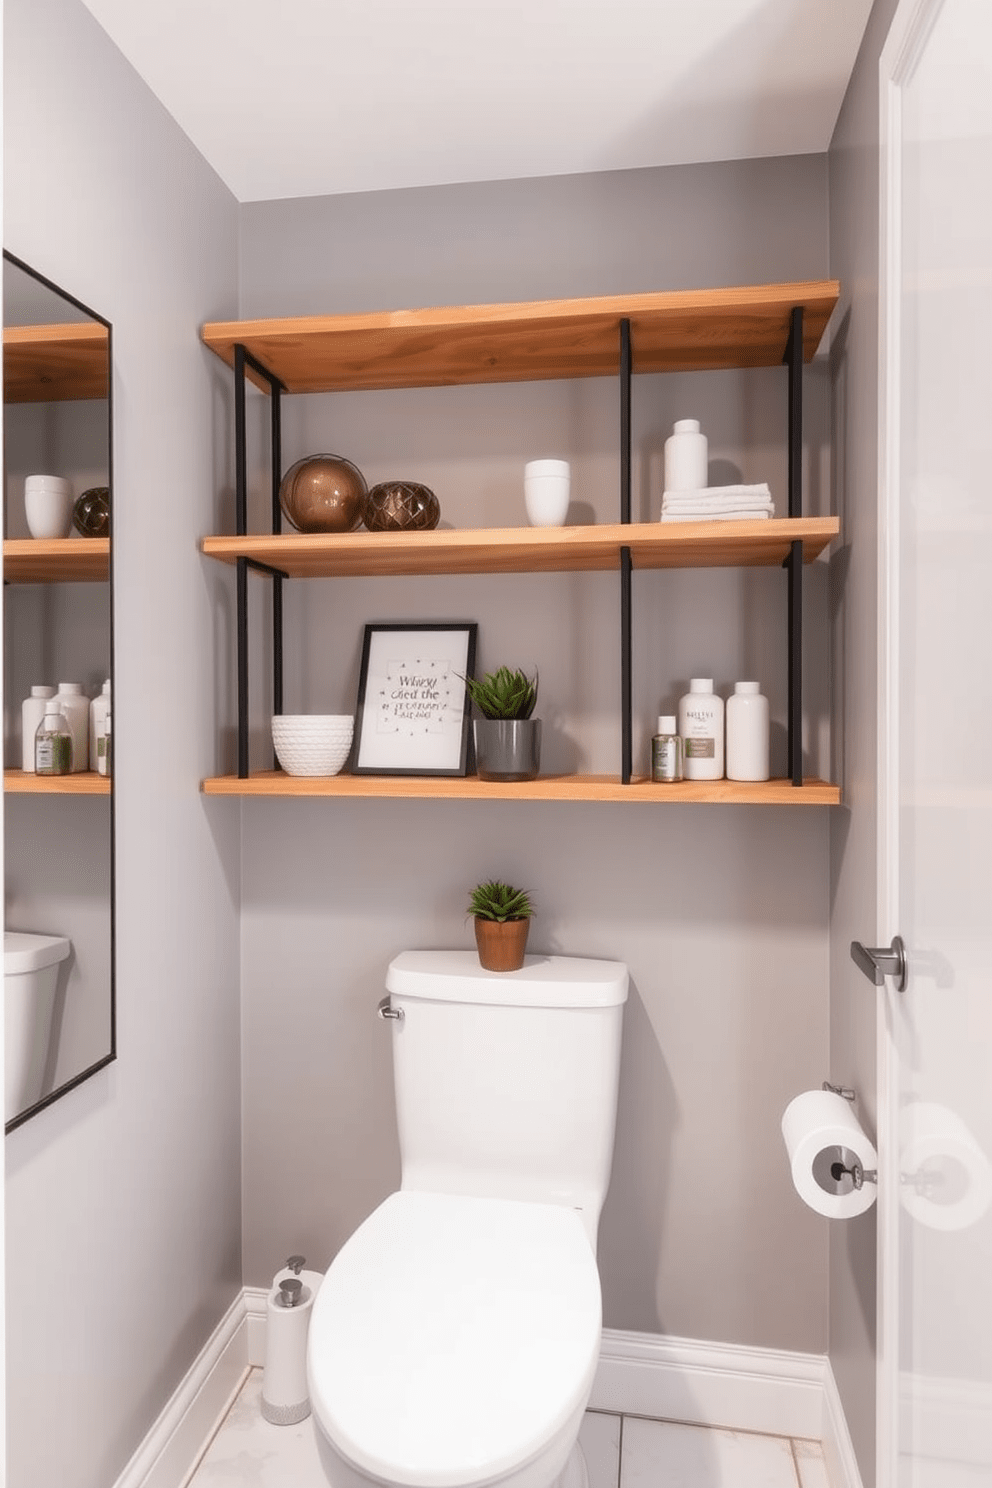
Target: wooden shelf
(55,363)
(38,560)
(673,331)
(544,788)
(747,544)
(83,783)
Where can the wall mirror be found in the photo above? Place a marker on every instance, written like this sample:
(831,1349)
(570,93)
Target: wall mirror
(59,1007)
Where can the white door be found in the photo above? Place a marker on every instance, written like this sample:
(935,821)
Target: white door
(935,822)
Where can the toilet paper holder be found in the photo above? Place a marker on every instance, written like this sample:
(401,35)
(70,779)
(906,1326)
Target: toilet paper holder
(858,1175)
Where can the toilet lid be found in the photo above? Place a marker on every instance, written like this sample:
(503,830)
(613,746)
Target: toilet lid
(454,1336)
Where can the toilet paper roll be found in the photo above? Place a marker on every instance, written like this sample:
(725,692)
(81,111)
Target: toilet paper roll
(945,1177)
(285,1397)
(822,1137)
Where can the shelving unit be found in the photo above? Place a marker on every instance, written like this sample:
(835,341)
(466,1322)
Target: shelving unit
(753,326)
(84,783)
(55,363)
(36,560)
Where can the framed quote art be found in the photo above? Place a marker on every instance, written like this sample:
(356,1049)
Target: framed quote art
(413,714)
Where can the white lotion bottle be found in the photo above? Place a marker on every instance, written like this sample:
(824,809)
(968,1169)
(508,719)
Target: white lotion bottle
(32,712)
(701,728)
(686,457)
(74,703)
(99,708)
(747,733)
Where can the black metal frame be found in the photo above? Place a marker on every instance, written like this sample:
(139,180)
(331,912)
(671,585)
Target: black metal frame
(373,628)
(243,359)
(793,359)
(111,1055)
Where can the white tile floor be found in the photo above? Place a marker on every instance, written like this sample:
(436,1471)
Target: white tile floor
(620,1451)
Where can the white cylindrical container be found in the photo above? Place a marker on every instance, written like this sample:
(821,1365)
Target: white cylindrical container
(99,708)
(701,728)
(747,733)
(686,457)
(32,712)
(76,706)
(547,490)
(48,505)
(285,1397)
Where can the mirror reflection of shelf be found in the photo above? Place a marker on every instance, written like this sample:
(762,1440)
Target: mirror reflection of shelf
(82,783)
(41,560)
(55,363)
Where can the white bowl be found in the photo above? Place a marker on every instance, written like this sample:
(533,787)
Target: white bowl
(312,743)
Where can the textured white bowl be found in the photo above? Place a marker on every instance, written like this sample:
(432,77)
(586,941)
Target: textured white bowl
(312,743)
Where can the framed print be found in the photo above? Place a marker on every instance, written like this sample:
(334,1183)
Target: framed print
(412,714)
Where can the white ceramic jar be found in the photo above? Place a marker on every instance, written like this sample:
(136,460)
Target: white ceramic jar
(48,505)
(76,706)
(747,733)
(547,491)
(701,728)
(686,457)
(32,712)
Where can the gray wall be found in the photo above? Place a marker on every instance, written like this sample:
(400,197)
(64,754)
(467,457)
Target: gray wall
(123,1199)
(854,593)
(720,913)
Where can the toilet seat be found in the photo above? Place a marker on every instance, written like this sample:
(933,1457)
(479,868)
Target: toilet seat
(453,1337)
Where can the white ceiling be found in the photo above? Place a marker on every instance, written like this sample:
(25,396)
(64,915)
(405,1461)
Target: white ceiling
(313,97)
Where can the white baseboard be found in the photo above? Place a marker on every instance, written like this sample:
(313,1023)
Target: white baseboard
(642,1374)
(171,1450)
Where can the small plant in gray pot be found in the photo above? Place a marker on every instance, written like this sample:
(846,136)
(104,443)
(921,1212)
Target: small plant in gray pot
(507,737)
(502,919)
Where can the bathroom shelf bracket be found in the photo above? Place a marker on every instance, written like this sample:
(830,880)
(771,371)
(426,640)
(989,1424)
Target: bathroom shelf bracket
(794,562)
(626,562)
(243,360)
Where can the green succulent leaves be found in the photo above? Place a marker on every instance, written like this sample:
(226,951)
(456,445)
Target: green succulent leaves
(503,694)
(498,901)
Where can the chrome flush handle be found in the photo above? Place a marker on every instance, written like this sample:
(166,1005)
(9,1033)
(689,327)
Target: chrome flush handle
(386,1009)
(878,962)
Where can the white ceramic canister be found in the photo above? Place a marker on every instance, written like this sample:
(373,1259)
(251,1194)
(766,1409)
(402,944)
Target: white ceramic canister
(747,733)
(701,728)
(48,505)
(32,712)
(547,491)
(686,457)
(99,708)
(76,706)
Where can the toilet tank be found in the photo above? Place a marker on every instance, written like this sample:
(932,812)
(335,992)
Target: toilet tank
(506,1082)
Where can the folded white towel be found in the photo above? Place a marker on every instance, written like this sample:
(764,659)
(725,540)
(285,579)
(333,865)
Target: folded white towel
(713,508)
(722,493)
(715,516)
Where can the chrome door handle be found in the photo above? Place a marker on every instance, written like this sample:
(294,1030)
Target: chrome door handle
(878,962)
(386,1010)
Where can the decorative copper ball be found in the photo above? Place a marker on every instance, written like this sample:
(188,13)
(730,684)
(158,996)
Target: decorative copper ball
(91,512)
(401,506)
(323,493)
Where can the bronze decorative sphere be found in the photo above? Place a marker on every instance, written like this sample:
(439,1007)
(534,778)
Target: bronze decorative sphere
(401,506)
(323,493)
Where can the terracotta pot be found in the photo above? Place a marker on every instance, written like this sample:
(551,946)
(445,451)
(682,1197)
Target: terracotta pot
(501,943)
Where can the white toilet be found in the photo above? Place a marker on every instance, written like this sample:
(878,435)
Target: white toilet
(455,1337)
(30,978)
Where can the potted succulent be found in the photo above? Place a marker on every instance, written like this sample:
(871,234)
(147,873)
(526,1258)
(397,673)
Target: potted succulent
(502,919)
(507,738)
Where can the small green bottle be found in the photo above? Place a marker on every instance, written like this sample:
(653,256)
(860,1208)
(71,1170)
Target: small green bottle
(53,742)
